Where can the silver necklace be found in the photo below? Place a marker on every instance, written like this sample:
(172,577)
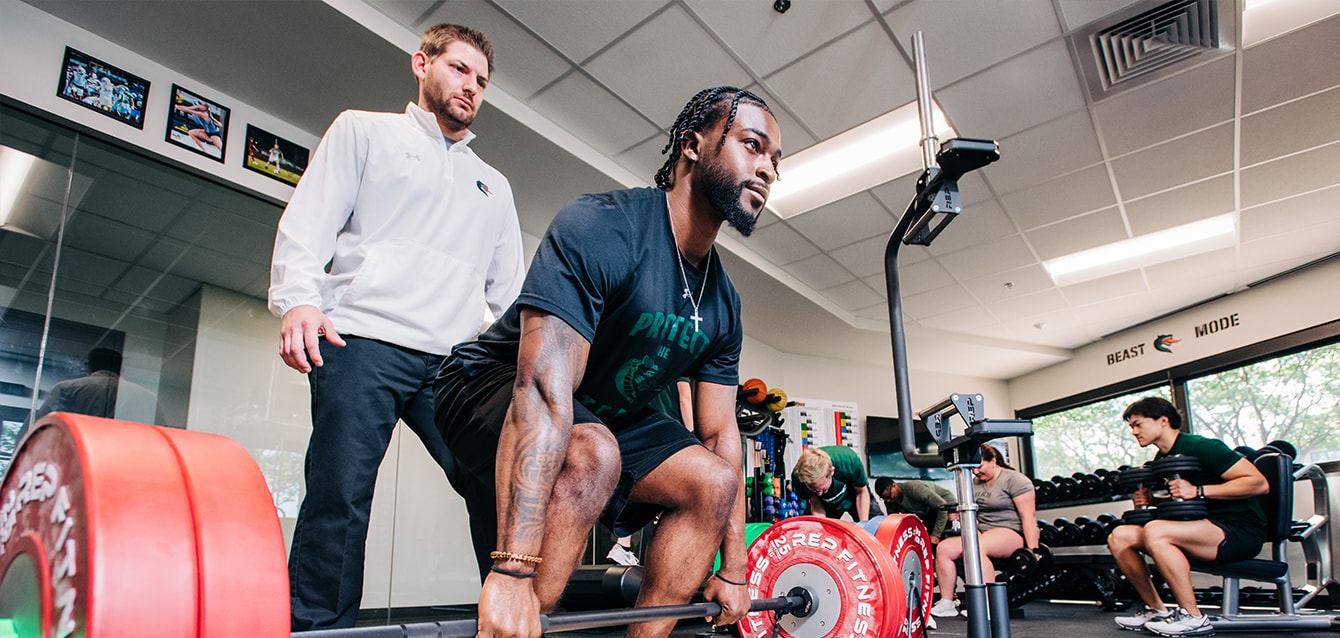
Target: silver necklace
(697,319)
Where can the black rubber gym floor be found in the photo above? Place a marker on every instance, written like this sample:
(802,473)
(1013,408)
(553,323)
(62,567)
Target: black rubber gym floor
(1040,620)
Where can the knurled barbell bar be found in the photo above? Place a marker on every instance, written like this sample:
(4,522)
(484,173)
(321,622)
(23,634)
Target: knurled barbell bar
(117,529)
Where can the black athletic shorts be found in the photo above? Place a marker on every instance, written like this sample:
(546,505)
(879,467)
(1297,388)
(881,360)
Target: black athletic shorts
(1240,542)
(470,414)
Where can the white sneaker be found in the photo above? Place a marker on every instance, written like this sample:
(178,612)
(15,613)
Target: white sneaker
(944,608)
(622,555)
(1180,623)
(1136,622)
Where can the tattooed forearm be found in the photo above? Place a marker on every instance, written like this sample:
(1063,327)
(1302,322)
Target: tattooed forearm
(535,435)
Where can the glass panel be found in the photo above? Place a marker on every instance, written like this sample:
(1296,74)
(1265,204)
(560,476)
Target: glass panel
(1089,437)
(34,173)
(1294,398)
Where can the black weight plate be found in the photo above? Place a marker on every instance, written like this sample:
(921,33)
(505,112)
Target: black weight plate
(1192,510)
(1133,478)
(1178,464)
(1138,517)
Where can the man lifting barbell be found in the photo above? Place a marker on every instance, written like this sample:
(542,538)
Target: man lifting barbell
(625,294)
(1234,529)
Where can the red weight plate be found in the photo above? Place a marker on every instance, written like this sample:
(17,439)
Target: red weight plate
(909,546)
(240,547)
(843,568)
(105,502)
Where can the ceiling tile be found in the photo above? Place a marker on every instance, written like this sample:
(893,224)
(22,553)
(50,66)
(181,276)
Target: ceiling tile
(1291,175)
(923,276)
(645,159)
(863,258)
(1290,215)
(977,224)
(568,25)
(593,115)
(1212,264)
(819,272)
(997,31)
(143,281)
(89,268)
(794,136)
(1174,163)
(1031,306)
(1004,254)
(1061,198)
(1275,254)
(767,40)
(969,319)
(880,284)
(1178,294)
(781,245)
(522,64)
(1111,287)
(844,222)
(154,207)
(937,302)
(647,68)
(1156,112)
(107,237)
(809,86)
(1276,71)
(406,12)
(1020,93)
(1009,283)
(1125,310)
(879,312)
(1269,134)
(1045,151)
(1080,233)
(852,295)
(1183,205)
(1078,13)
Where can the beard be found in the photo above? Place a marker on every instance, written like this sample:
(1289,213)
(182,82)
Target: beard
(725,196)
(445,109)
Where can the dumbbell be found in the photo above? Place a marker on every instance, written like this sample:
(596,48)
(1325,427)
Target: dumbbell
(1068,532)
(1110,479)
(1046,491)
(1091,532)
(1109,522)
(1089,485)
(1028,562)
(1048,534)
(1174,467)
(1067,489)
(1133,480)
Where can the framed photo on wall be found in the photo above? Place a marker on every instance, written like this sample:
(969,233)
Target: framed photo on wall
(98,86)
(274,156)
(197,124)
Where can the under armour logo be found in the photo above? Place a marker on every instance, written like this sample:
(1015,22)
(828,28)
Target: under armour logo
(413,156)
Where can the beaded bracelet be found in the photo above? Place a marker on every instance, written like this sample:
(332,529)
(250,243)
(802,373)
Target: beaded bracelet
(727,580)
(511,572)
(525,558)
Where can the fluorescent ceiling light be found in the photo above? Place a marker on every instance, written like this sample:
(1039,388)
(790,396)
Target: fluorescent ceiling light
(1264,20)
(1154,248)
(14,168)
(878,151)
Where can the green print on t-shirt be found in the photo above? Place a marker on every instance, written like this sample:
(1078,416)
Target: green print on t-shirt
(674,329)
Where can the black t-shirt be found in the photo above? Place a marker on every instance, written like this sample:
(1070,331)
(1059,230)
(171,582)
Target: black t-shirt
(609,268)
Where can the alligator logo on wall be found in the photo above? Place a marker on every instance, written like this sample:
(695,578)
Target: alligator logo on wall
(1164,343)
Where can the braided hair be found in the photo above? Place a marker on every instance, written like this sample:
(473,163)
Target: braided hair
(702,112)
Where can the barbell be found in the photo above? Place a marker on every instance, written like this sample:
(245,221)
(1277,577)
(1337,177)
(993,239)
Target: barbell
(116,529)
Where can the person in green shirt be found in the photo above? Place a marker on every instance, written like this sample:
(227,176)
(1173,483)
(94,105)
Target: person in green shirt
(928,501)
(1234,529)
(833,479)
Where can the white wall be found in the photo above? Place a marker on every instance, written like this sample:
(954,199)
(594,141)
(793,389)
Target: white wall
(1299,301)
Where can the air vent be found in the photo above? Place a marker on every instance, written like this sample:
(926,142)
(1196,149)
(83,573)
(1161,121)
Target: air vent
(1150,41)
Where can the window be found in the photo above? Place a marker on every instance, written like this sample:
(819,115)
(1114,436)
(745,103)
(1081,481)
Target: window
(1295,398)
(1088,437)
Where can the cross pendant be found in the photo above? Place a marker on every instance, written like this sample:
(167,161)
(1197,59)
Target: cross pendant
(696,320)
